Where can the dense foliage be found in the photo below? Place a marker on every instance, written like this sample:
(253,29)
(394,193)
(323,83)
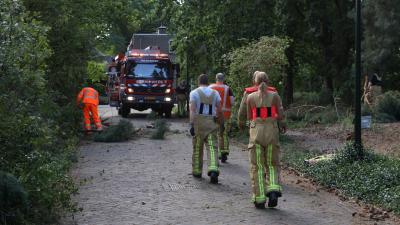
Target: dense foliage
(35,147)
(376,179)
(388,107)
(267,54)
(320,55)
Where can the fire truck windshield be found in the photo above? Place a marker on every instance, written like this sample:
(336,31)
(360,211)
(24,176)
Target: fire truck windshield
(153,71)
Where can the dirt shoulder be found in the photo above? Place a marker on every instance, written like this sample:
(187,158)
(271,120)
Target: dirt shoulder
(146,181)
(382,138)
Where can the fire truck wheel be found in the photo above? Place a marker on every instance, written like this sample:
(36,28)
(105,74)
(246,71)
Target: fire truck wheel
(125,111)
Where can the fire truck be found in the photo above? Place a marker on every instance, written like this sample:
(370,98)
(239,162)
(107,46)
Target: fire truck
(147,80)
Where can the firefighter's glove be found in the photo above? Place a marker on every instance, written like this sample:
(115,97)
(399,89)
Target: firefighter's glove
(222,126)
(191,131)
(282,127)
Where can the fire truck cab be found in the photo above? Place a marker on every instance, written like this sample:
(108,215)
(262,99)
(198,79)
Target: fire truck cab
(147,81)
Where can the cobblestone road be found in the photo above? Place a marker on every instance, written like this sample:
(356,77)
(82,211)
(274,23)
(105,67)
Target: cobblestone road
(146,181)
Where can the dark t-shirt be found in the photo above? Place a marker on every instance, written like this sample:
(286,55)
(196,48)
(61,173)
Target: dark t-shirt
(373,78)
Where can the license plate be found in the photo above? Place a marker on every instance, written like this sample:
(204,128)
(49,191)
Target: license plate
(150,98)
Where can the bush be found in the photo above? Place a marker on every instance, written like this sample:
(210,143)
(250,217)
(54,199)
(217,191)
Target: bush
(365,110)
(161,127)
(13,199)
(388,107)
(376,179)
(306,98)
(123,131)
(312,115)
(267,54)
(37,134)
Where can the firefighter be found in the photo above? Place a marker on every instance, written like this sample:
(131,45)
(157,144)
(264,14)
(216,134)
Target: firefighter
(264,111)
(181,91)
(227,100)
(205,113)
(372,89)
(88,99)
(112,67)
(242,113)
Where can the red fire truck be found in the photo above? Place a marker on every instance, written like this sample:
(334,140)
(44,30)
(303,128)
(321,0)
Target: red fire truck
(146,80)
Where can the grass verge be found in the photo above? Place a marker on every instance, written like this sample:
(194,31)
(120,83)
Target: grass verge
(375,180)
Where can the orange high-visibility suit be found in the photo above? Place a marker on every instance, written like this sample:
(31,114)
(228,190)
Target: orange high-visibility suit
(226,103)
(90,99)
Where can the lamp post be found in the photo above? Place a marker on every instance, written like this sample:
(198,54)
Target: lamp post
(357,120)
(187,74)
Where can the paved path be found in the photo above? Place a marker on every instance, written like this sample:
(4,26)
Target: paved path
(146,181)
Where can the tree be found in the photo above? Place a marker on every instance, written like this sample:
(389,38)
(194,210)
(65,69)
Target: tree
(381,40)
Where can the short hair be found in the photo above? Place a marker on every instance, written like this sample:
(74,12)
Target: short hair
(203,79)
(219,77)
(261,77)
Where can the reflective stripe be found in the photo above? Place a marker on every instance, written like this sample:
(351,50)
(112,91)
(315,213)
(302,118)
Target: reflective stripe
(196,168)
(225,96)
(260,170)
(225,89)
(212,165)
(272,185)
(89,93)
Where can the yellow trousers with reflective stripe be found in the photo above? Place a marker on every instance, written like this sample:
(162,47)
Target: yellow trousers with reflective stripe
(264,171)
(212,155)
(223,142)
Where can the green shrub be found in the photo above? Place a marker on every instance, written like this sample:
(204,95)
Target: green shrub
(389,104)
(295,115)
(313,115)
(161,127)
(13,199)
(376,179)
(306,98)
(266,54)
(123,131)
(366,110)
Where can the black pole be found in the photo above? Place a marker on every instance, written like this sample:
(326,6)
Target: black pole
(357,122)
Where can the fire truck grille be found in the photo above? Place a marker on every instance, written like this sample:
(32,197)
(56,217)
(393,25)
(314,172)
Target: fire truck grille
(149,89)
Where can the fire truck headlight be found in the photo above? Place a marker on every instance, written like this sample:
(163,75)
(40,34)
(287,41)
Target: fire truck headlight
(130,90)
(168,90)
(131,98)
(168,99)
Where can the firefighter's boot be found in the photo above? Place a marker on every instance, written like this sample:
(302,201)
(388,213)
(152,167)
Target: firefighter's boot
(213,177)
(259,205)
(273,198)
(196,175)
(224,157)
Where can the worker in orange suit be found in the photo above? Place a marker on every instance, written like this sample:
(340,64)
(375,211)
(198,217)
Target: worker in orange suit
(227,100)
(89,97)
